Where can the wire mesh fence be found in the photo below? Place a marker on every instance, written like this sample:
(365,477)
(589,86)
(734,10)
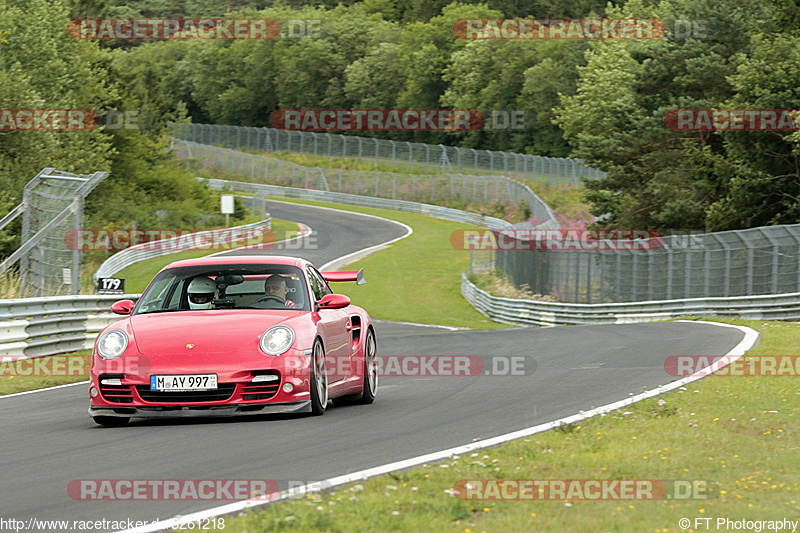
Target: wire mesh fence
(52,205)
(451,190)
(402,155)
(756,261)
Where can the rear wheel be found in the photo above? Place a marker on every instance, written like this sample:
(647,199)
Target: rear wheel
(110,420)
(370,369)
(370,381)
(318,380)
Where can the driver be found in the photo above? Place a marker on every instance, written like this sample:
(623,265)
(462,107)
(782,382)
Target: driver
(275,286)
(201,292)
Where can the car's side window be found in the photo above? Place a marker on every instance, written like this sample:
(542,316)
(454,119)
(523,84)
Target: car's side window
(325,285)
(318,285)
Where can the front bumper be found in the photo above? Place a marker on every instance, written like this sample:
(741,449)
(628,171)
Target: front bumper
(199,410)
(123,390)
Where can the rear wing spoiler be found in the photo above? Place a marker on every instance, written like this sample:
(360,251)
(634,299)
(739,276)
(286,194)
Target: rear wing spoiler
(349,275)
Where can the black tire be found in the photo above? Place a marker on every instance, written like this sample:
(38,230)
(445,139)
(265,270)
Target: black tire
(110,420)
(318,379)
(370,381)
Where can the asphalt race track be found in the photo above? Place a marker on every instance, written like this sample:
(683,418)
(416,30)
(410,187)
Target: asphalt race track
(50,440)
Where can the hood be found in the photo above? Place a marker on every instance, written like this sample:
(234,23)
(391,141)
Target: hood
(213,331)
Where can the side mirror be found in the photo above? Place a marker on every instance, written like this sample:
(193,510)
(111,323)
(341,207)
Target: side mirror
(122,307)
(334,301)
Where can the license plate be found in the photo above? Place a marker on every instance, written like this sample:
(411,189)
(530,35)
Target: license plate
(183,382)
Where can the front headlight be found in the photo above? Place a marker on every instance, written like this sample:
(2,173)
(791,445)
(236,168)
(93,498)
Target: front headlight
(277,340)
(112,344)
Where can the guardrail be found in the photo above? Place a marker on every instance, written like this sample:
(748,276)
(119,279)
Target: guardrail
(149,250)
(537,313)
(54,324)
(445,213)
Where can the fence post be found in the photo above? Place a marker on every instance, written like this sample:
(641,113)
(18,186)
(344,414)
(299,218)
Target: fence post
(669,273)
(688,274)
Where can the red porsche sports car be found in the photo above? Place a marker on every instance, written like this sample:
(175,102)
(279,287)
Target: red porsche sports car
(234,335)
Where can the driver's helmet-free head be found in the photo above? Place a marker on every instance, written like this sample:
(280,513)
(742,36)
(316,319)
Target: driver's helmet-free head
(201,292)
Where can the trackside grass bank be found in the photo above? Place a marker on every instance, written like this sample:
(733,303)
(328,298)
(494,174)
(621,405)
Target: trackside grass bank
(417,279)
(740,433)
(20,376)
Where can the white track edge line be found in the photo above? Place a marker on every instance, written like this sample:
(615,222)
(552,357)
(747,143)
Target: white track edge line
(750,337)
(44,389)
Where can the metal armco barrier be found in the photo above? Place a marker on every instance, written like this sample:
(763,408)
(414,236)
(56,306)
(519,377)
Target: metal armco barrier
(445,213)
(536,313)
(141,252)
(55,324)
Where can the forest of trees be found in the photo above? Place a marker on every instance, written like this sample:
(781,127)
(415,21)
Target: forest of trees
(603,101)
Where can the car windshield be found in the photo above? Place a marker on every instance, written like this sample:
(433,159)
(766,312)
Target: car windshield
(225,287)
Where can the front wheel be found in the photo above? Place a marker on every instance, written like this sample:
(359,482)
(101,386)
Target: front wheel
(318,380)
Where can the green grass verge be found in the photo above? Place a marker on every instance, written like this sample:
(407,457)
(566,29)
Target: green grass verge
(417,279)
(741,433)
(138,275)
(342,163)
(24,375)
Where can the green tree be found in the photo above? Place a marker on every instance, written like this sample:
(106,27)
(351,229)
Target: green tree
(615,119)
